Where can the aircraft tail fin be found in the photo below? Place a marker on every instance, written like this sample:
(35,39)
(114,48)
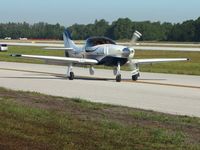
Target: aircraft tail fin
(68,42)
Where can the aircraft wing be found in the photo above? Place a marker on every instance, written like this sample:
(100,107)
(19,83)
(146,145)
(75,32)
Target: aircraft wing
(60,59)
(158,60)
(59,48)
(33,44)
(53,46)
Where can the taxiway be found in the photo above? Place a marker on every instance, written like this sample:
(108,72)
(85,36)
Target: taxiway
(175,94)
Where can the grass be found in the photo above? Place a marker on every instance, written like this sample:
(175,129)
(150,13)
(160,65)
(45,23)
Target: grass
(36,121)
(192,67)
(5,56)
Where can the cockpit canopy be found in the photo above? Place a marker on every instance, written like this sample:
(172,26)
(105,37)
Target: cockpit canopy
(93,41)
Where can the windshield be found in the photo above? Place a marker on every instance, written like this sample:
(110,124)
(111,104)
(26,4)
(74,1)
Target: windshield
(98,41)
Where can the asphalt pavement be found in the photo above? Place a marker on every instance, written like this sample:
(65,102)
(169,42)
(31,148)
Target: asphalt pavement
(175,94)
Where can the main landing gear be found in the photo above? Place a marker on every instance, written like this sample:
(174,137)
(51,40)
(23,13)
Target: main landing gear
(135,77)
(117,71)
(70,74)
(135,73)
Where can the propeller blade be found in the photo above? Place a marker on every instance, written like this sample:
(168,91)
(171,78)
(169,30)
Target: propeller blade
(135,37)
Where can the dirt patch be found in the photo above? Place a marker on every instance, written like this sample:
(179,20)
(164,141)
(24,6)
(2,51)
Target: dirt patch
(15,143)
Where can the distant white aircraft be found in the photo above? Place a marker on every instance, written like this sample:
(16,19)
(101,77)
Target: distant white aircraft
(100,51)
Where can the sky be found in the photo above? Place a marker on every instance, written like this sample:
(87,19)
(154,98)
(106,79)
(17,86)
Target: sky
(68,12)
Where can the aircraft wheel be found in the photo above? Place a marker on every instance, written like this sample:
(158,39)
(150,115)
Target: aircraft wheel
(118,78)
(71,76)
(135,77)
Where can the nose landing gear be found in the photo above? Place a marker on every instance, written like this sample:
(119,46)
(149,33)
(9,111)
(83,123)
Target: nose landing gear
(118,78)
(70,74)
(135,73)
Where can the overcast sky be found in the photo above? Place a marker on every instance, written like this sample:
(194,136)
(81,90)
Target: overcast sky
(68,12)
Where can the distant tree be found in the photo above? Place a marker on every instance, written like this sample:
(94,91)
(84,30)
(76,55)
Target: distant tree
(197,30)
(122,28)
(100,27)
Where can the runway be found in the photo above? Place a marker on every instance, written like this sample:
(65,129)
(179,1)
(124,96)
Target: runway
(175,94)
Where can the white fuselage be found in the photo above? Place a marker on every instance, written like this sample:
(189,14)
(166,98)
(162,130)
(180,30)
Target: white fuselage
(115,53)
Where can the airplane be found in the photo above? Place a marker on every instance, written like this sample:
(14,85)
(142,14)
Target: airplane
(100,51)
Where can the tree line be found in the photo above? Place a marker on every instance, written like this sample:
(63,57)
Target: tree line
(39,30)
(120,29)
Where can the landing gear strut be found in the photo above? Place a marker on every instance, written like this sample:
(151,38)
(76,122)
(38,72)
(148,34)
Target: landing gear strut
(135,73)
(70,74)
(118,75)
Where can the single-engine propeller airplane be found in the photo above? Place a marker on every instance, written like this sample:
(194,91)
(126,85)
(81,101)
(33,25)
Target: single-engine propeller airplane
(100,51)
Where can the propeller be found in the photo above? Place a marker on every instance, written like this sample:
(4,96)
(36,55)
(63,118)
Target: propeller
(129,51)
(135,37)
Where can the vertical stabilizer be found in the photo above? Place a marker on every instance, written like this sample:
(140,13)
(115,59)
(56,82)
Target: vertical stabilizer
(68,40)
(68,43)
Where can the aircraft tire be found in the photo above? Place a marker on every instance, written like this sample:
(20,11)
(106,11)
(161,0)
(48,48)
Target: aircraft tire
(71,76)
(118,78)
(135,77)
